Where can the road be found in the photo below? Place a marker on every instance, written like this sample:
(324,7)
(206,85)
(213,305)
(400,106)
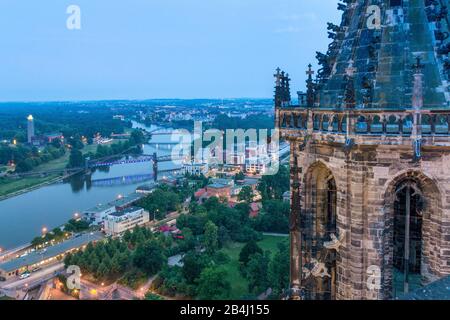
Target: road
(92,291)
(36,278)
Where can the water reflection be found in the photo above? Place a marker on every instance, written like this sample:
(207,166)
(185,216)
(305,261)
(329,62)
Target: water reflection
(22,217)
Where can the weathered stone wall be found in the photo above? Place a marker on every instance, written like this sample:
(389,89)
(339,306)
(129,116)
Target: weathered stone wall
(366,179)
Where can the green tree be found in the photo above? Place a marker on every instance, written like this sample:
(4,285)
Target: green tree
(211,238)
(137,137)
(213,284)
(274,217)
(246,194)
(273,186)
(239,176)
(149,257)
(193,265)
(256,272)
(279,270)
(248,250)
(189,242)
(76,159)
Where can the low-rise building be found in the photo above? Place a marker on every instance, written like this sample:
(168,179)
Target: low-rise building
(146,189)
(97,214)
(42,140)
(236,190)
(251,182)
(121,221)
(218,190)
(49,255)
(196,169)
(223,181)
(123,202)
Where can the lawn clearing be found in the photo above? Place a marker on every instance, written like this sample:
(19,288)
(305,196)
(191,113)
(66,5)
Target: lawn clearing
(239,286)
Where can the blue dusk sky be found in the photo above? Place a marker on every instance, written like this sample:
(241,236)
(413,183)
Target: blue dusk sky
(144,49)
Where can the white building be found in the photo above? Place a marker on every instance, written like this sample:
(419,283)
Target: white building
(121,221)
(98,214)
(256,165)
(196,169)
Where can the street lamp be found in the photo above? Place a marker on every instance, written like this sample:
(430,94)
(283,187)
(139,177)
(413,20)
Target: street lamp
(44,231)
(76,215)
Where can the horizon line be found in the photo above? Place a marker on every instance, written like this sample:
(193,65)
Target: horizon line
(131,100)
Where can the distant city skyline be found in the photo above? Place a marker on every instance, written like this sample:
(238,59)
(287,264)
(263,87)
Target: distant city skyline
(139,50)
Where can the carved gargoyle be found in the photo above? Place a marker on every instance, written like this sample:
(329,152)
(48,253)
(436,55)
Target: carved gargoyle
(324,63)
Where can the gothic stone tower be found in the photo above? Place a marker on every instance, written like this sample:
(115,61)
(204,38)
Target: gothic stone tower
(370,154)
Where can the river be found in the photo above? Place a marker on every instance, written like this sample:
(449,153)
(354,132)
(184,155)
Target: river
(23,217)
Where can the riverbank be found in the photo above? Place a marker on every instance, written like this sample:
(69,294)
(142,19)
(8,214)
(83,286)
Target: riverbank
(26,185)
(10,187)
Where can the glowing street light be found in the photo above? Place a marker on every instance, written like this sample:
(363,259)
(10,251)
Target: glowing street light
(44,231)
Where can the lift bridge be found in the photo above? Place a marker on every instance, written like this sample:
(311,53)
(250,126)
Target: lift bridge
(104,162)
(131,179)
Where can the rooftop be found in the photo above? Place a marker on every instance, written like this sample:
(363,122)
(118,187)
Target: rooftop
(50,252)
(126,200)
(147,187)
(218,186)
(251,181)
(100,208)
(126,212)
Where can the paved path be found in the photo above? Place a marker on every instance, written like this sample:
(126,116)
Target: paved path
(276,234)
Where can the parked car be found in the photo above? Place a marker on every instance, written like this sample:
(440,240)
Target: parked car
(24,275)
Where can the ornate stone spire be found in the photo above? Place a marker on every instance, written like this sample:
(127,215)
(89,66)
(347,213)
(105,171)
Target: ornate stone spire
(282,89)
(382,53)
(417,101)
(349,95)
(310,95)
(278,88)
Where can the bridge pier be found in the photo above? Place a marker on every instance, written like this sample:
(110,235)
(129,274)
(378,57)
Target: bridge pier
(155,167)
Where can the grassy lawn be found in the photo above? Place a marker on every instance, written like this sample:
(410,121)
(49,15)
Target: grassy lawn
(6,298)
(239,286)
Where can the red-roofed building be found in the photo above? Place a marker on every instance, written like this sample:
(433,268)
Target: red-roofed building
(255,208)
(200,193)
(219,191)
